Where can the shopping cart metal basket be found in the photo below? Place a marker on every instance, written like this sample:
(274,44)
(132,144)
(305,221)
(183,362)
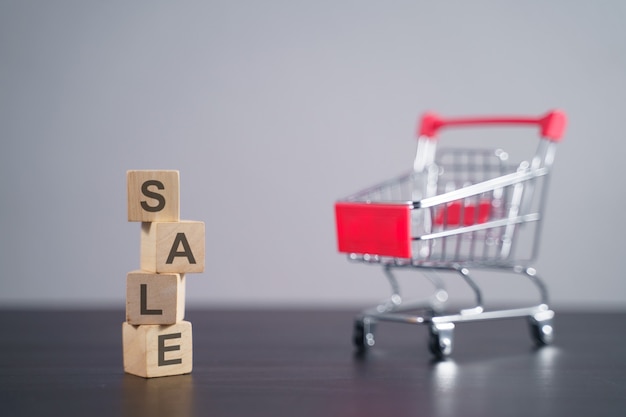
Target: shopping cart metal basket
(457,210)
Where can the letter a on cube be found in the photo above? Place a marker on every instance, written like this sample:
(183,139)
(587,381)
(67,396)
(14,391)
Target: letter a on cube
(152,350)
(172,246)
(153,196)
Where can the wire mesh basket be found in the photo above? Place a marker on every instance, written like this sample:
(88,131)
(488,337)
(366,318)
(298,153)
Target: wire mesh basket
(456,209)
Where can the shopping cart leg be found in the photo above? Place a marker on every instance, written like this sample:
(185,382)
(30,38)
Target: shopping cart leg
(430,306)
(531,274)
(396,299)
(478,308)
(541,323)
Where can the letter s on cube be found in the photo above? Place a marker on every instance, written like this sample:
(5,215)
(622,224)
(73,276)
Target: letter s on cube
(153,195)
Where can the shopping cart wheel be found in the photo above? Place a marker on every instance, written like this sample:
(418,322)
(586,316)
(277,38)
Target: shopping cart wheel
(541,327)
(363,337)
(441,339)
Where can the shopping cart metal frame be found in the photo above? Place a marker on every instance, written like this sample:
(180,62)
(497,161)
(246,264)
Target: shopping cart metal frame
(453,217)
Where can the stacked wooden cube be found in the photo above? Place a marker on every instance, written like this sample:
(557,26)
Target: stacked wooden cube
(157,340)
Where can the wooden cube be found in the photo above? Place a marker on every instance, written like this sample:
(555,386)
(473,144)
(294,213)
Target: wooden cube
(172,246)
(153,196)
(155,298)
(152,350)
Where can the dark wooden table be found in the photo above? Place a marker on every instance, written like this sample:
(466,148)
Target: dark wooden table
(301,363)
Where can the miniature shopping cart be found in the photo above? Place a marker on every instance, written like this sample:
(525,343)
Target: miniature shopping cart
(456,210)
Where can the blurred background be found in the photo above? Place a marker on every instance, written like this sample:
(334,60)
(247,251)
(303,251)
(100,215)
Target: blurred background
(273,110)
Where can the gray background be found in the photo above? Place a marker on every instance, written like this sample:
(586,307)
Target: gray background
(271,111)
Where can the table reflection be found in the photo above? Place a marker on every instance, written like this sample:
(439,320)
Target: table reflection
(165,396)
(458,388)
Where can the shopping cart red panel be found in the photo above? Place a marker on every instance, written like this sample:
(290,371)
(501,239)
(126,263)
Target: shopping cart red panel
(375,229)
(452,215)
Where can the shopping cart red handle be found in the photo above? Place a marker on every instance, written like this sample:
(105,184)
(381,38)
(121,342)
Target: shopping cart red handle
(552,124)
